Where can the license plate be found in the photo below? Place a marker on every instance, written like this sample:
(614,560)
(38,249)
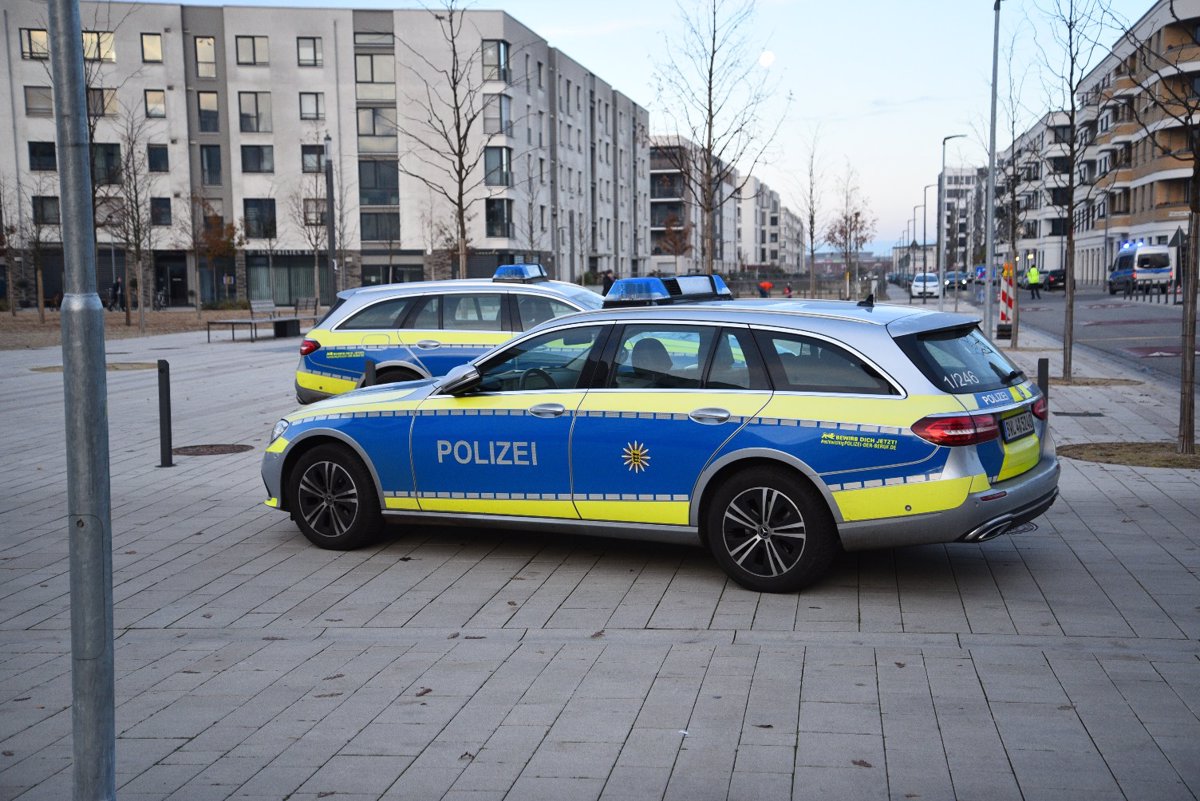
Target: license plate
(1017,426)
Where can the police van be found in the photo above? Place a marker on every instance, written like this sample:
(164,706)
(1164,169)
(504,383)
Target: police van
(1142,268)
(424,328)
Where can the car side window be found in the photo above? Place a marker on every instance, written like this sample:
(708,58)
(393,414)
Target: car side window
(426,313)
(661,357)
(470,312)
(798,363)
(734,364)
(554,360)
(535,309)
(384,314)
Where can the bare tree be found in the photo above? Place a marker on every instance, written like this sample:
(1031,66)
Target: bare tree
(717,99)
(1168,109)
(810,202)
(308,208)
(1010,212)
(676,239)
(129,214)
(447,120)
(10,240)
(1068,55)
(853,224)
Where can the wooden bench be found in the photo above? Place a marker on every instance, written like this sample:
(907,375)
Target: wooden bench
(265,312)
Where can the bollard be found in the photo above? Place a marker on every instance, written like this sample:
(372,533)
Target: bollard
(369,374)
(1043,379)
(164,414)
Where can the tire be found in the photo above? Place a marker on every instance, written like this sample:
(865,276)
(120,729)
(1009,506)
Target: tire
(1112,290)
(332,498)
(394,376)
(756,552)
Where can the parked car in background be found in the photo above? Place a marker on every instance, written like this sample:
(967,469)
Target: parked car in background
(1055,279)
(956,278)
(925,285)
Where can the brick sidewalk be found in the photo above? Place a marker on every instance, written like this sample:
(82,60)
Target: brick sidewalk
(1059,663)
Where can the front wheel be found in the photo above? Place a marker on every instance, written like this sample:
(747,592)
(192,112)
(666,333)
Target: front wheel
(770,531)
(333,498)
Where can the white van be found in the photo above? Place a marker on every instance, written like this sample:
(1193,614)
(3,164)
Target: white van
(1141,268)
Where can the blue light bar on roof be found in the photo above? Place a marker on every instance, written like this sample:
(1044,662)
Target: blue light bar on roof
(637,292)
(662,291)
(520,273)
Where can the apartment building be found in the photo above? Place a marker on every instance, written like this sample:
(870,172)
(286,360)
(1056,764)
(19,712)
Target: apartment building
(675,225)
(959,226)
(239,104)
(1134,185)
(1031,195)
(770,236)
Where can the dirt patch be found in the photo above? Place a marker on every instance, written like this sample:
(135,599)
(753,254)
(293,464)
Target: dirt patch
(1135,454)
(210,450)
(25,330)
(1077,381)
(110,366)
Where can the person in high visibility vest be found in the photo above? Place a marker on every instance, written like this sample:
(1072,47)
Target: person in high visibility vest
(1035,282)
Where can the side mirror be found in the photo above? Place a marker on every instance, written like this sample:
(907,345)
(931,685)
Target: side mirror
(459,381)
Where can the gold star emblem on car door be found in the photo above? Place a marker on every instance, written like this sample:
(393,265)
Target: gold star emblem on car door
(636,457)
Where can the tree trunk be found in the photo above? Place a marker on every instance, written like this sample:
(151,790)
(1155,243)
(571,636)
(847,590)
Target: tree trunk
(461,218)
(1187,372)
(41,290)
(141,273)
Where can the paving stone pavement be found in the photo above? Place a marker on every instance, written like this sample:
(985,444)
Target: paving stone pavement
(1060,663)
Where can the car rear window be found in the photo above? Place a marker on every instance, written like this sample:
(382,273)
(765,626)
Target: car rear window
(959,360)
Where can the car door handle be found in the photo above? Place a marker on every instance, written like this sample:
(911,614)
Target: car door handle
(427,344)
(547,410)
(709,416)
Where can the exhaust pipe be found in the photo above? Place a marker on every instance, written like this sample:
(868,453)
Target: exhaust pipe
(989,530)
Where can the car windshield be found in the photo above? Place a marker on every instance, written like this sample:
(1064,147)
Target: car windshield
(959,360)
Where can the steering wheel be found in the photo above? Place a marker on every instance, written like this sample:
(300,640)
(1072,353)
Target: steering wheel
(539,374)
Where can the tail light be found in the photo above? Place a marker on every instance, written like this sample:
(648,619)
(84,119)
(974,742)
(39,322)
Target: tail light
(308,346)
(1039,408)
(957,429)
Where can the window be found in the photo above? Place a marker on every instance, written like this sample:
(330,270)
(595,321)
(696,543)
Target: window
(152,48)
(45,210)
(308,51)
(106,164)
(312,158)
(252,50)
(312,105)
(259,217)
(799,363)
(473,312)
(386,314)
(102,102)
(314,211)
(557,356)
(378,183)
(527,75)
(210,165)
(156,103)
(39,101)
(537,309)
(258,158)
(375,76)
(42,157)
(98,46)
(209,112)
(497,164)
(157,158)
(160,211)
(541,73)
(497,114)
(254,112)
(379,226)
(499,214)
(376,130)
(495,60)
(35,44)
(959,360)
(206,56)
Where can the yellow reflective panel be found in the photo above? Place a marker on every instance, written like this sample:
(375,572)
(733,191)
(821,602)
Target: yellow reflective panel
(408,504)
(902,500)
(523,401)
(488,338)
(671,513)
(278,446)
(324,383)
(272,502)
(884,410)
(351,407)
(1020,455)
(676,401)
(507,508)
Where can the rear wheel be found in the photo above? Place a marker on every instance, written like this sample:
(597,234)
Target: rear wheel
(333,498)
(395,375)
(770,531)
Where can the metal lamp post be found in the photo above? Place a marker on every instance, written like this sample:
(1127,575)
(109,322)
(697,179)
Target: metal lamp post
(925,243)
(942,210)
(330,230)
(990,232)
(920,206)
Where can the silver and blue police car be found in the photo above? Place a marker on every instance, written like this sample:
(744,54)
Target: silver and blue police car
(422,329)
(771,432)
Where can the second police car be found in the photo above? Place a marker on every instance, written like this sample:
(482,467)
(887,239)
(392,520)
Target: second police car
(422,329)
(771,432)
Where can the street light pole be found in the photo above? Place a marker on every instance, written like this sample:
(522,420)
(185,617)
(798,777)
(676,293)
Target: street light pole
(330,230)
(990,233)
(925,242)
(942,211)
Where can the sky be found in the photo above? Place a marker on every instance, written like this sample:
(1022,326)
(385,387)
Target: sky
(876,84)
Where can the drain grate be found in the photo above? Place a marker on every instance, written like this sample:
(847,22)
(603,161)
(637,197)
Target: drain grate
(1078,414)
(210,450)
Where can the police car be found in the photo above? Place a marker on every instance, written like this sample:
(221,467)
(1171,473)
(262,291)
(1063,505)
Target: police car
(771,432)
(424,328)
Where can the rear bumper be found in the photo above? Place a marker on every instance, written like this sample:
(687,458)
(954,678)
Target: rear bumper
(982,516)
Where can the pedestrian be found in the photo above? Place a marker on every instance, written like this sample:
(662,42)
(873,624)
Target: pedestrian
(787,290)
(116,295)
(1034,278)
(608,281)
